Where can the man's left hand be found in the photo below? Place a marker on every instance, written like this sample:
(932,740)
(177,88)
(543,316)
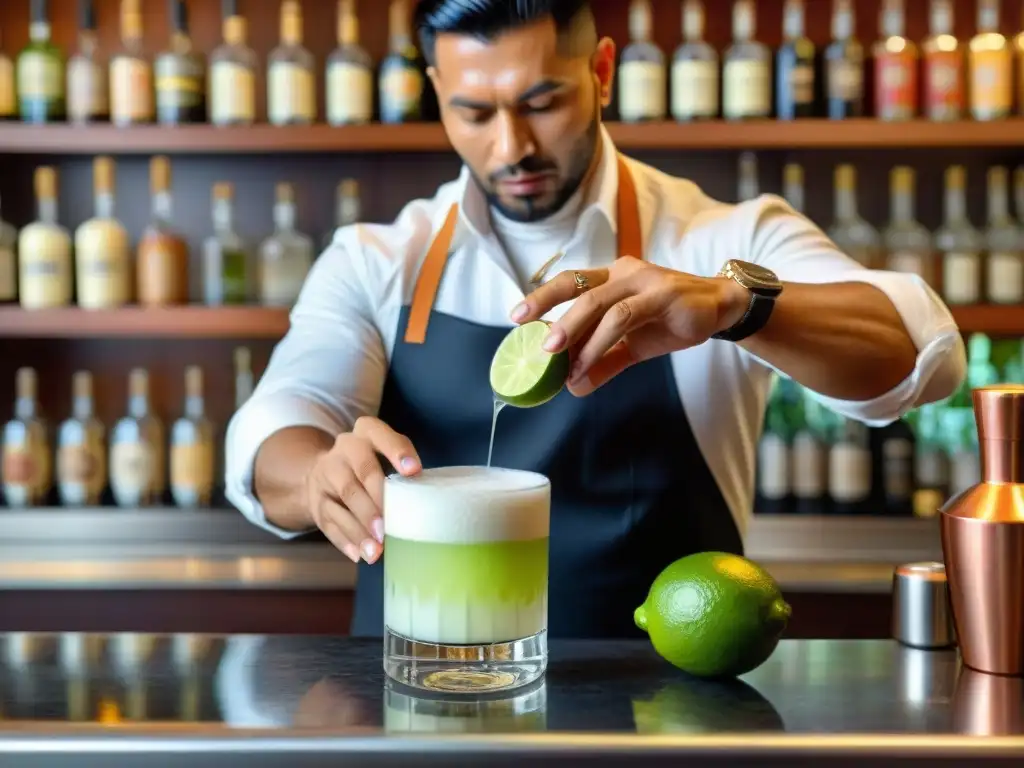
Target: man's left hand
(629,312)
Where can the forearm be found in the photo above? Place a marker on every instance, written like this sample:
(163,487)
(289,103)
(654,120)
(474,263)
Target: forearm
(282,464)
(842,340)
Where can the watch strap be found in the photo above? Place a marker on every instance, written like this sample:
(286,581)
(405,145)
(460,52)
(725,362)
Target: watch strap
(759,310)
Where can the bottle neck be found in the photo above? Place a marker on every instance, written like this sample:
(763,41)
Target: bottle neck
(284,217)
(194,408)
(347,212)
(162,207)
(956,205)
(846,205)
(87,43)
(104,207)
(223,215)
(902,207)
(138,406)
(81,407)
(998,205)
(39,32)
(48,211)
(243,388)
(25,408)
(793,21)
(1002,461)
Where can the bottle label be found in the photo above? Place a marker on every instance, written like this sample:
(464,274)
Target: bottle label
(81,469)
(845,80)
(192,468)
(773,471)
(8,274)
(232,93)
(103,259)
(746,90)
(849,473)
(962,278)
(809,467)
(133,470)
(911,263)
(898,464)
(642,91)
(39,77)
(26,468)
(401,90)
(162,269)
(281,281)
(45,267)
(801,83)
(290,94)
(944,85)
(991,83)
(896,97)
(349,94)
(7,100)
(694,89)
(1006,278)
(131,91)
(87,90)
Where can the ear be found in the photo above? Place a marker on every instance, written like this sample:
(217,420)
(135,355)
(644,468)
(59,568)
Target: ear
(435,78)
(603,64)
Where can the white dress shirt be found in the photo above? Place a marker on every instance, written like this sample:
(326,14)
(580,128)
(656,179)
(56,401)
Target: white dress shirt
(330,367)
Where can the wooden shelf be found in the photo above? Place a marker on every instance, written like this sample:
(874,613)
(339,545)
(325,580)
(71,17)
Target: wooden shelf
(430,137)
(990,319)
(140,322)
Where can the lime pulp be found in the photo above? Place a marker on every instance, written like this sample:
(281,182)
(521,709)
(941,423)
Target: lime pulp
(523,374)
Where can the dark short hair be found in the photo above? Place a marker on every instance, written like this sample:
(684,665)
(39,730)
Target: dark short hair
(486,19)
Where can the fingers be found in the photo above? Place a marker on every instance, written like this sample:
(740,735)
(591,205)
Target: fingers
(586,313)
(558,290)
(396,448)
(615,361)
(615,322)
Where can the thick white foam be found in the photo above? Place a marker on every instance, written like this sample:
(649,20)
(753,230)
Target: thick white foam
(468,505)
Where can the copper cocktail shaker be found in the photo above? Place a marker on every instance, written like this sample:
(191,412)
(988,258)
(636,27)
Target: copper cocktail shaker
(983,540)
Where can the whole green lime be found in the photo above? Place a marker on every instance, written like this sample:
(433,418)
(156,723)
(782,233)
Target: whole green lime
(714,614)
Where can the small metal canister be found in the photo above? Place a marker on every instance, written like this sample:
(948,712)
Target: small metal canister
(921,614)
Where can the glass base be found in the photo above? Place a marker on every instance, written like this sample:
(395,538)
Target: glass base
(466,669)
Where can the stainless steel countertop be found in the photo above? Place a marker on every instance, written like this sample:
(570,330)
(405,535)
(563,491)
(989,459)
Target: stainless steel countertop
(177,549)
(295,701)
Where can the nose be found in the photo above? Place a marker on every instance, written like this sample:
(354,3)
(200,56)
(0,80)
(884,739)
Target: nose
(514,139)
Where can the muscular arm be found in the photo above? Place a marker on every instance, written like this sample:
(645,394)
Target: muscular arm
(282,465)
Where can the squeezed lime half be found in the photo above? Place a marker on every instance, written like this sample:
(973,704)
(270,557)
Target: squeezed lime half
(522,373)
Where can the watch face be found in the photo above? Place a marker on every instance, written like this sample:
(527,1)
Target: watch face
(755,277)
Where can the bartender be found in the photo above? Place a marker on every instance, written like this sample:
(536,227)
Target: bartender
(676,307)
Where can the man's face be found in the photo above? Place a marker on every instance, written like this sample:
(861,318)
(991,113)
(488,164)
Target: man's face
(523,113)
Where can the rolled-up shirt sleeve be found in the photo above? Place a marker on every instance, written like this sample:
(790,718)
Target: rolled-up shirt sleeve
(326,372)
(798,251)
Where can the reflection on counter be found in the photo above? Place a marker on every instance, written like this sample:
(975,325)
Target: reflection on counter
(406,711)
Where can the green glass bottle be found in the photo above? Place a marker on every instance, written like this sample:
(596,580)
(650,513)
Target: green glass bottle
(40,71)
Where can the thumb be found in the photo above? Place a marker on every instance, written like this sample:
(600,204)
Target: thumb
(392,445)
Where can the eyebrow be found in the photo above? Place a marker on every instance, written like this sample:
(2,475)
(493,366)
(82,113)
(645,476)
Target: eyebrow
(540,89)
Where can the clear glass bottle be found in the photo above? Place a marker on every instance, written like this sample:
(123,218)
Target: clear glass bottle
(850,232)
(990,67)
(850,472)
(774,458)
(180,75)
(244,380)
(131,74)
(45,277)
(40,71)
(1004,243)
(8,261)
(746,81)
(794,66)
(401,81)
(87,96)
(81,449)
(8,91)
(103,259)
(908,243)
(695,80)
(844,65)
(163,254)
(286,256)
(960,244)
(896,66)
(291,80)
(26,464)
(137,474)
(643,85)
(793,186)
(943,66)
(349,97)
(810,452)
(192,450)
(347,209)
(225,254)
(232,87)
(748,186)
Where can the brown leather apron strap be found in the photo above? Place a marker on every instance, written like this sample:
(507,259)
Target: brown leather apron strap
(630,243)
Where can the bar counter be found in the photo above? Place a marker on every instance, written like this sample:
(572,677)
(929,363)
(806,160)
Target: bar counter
(128,700)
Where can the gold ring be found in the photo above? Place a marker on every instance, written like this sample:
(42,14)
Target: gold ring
(582,281)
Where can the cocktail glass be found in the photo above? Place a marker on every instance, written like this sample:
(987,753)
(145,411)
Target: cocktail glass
(466,579)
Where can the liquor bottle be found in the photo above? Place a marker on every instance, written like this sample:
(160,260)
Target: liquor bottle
(748,186)
(44,251)
(225,255)
(81,449)
(849,468)
(401,81)
(1004,243)
(244,381)
(192,451)
(773,458)
(131,76)
(8,93)
(793,186)
(991,67)
(102,250)
(907,242)
(88,98)
(897,451)
(137,449)
(642,76)
(747,84)
(810,452)
(694,70)
(180,75)
(794,66)
(844,65)
(232,89)
(40,71)
(943,66)
(850,232)
(8,261)
(291,82)
(962,446)
(347,209)
(960,244)
(162,265)
(931,464)
(349,73)
(286,256)
(895,67)
(26,448)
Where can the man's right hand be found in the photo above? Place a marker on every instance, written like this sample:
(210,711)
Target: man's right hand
(345,488)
